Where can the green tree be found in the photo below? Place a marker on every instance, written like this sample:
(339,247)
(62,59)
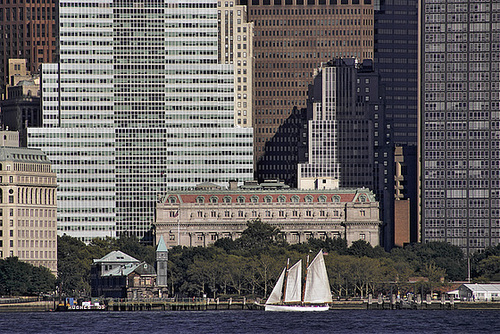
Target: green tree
(258,236)
(489,268)
(73,266)
(21,278)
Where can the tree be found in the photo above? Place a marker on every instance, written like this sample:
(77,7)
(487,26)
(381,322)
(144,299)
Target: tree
(21,278)
(258,236)
(489,268)
(361,248)
(73,266)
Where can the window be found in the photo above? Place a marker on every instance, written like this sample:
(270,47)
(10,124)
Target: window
(213,199)
(322,198)
(362,198)
(295,199)
(281,199)
(227,199)
(172,199)
(308,199)
(200,199)
(268,199)
(240,199)
(254,199)
(336,199)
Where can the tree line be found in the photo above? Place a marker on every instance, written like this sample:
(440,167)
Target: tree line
(250,265)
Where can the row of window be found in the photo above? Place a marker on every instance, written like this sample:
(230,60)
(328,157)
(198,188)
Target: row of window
(267,214)
(267,199)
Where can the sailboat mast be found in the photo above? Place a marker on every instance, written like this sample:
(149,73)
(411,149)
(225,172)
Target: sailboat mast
(305,280)
(286,278)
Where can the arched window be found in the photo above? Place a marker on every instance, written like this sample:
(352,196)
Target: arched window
(241,199)
(214,199)
(308,199)
(227,199)
(172,199)
(200,199)
(336,199)
(254,199)
(295,199)
(268,199)
(362,198)
(322,199)
(281,199)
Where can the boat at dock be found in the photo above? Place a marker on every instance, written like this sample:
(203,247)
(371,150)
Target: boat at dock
(288,295)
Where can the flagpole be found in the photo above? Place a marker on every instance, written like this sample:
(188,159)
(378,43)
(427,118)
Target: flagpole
(178,230)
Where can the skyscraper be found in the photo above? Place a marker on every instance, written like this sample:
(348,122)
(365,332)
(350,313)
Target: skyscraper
(28,32)
(236,47)
(292,38)
(345,111)
(460,123)
(396,58)
(138,104)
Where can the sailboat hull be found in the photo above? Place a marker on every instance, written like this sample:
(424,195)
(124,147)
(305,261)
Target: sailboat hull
(297,308)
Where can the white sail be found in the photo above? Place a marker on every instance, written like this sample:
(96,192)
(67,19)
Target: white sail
(293,291)
(275,296)
(317,284)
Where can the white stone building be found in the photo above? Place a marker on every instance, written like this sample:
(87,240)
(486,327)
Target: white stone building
(28,223)
(202,216)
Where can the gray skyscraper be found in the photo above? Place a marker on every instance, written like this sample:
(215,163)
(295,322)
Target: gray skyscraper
(460,122)
(137,104)
(345,111)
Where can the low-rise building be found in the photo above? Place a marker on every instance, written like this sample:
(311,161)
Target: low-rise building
(208,213)
(28,209)
(118,275)
(479,292)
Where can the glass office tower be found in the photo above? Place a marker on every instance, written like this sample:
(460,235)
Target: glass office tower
(137,105)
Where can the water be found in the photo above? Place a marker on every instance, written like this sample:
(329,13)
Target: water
(344,321)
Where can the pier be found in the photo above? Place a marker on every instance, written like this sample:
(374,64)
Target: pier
(393,303)
(180,304)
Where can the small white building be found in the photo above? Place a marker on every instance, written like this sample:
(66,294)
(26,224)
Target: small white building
(479,292)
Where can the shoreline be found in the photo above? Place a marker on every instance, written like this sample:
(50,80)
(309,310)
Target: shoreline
(46,306)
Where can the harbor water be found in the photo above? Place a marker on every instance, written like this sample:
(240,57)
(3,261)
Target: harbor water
(333,321)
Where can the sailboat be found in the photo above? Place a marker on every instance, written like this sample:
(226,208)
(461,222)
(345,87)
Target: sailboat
(287,294)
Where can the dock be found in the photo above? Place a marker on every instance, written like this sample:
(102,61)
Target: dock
(181,304)
(393,303)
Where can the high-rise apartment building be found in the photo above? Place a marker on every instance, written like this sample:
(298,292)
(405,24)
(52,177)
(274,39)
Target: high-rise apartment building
(137,104)
(460,123)
(236,47)
(292,38)
(28,32)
